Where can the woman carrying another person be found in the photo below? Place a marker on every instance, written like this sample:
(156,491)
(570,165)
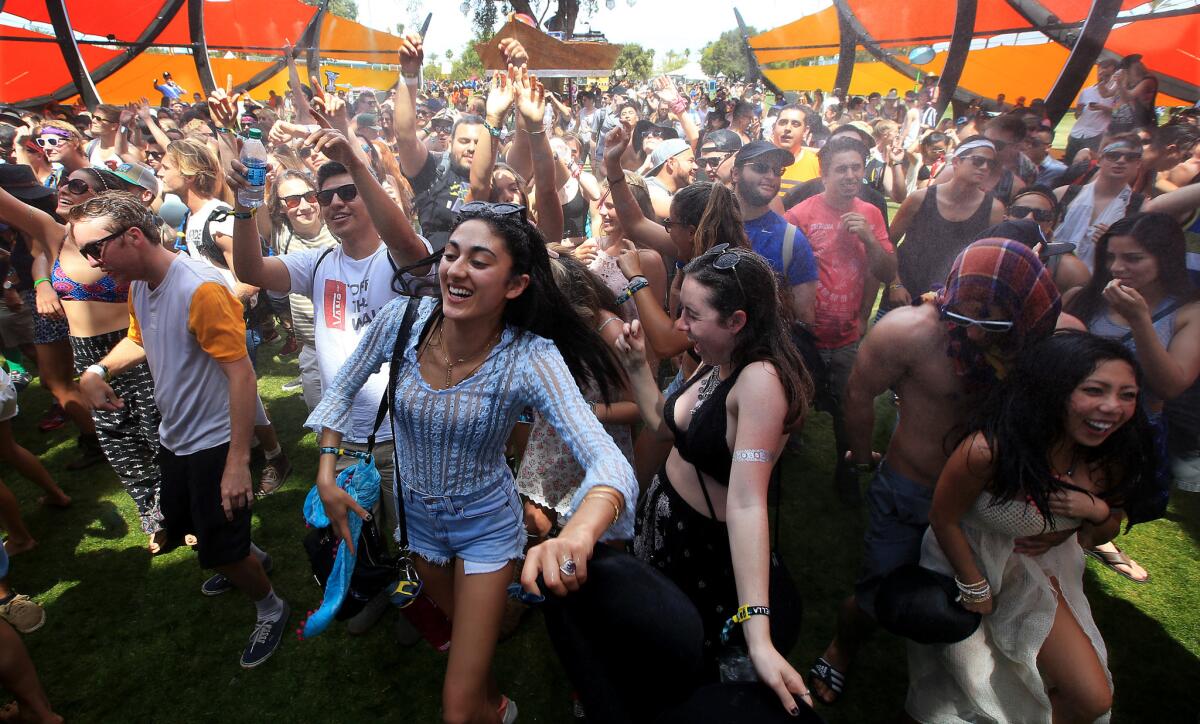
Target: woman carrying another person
(97,315)
(1141,296)
(1059,447)
(702,525)
(501,337)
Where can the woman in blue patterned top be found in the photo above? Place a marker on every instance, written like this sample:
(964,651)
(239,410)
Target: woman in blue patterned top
(500,337)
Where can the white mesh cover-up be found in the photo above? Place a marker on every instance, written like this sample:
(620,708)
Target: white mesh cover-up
(992,676)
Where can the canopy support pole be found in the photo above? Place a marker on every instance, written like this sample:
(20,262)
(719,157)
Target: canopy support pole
(1039,17)
(753,72)
(307,39)
(956,55)
(847,48)
(1083,56)
(71,55)
(313,41)
(200,46)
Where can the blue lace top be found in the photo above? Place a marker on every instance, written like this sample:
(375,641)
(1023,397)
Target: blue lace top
(451,442)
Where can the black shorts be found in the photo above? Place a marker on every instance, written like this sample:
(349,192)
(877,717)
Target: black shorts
(191,503)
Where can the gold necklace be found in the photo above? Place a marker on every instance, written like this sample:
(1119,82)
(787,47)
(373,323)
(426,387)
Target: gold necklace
(450,365)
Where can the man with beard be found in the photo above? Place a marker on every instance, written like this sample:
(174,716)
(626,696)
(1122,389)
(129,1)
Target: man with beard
(790,133)
(851,246)
(437,188)
(940,357)
(757,170)
(716,156)
(672,166)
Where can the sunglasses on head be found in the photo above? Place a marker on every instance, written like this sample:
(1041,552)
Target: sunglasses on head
(346,193)
(1129,156)
(310,196)
(1039,215)
(95,249)
(488,210)
(763,168)
(982,162)
(77,186)
(727,260)
(50,141)
(987,325)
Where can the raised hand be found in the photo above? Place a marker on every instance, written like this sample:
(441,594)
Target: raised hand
(615,144)
(531,99)
(412,54)
(330,104)
(514,52)
(631,346)
(501,94)
(331,142)
(223,105)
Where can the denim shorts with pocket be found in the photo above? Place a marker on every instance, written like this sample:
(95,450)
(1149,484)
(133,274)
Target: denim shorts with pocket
(486,529)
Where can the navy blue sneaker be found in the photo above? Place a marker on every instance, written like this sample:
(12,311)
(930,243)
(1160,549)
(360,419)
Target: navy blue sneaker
(265,639)
(218,583)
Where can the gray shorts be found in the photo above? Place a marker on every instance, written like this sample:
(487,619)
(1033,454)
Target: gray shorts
(898,510)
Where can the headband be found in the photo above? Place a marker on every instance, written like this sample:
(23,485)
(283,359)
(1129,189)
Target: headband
(52,131)
(972,145)
(1117,146)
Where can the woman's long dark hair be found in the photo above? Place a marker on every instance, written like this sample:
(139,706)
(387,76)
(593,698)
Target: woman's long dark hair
(1160,236)
(545,311)
(751,286)
(1025,417)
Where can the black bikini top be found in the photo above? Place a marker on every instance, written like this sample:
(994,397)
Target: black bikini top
(703,442)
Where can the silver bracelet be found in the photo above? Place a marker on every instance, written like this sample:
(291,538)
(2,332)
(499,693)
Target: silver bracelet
(752,456)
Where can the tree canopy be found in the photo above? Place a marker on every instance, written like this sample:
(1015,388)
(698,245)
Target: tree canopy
(725,55)
(636,62)
(342,8)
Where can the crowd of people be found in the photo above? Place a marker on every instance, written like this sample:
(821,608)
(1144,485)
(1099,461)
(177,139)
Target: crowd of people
(574,333)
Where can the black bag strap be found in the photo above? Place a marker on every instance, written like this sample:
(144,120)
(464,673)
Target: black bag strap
(1164,312)
(386,404)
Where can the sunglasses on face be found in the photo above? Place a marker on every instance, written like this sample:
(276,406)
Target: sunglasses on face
(77,186)
(346,193)
(762,168)
(310,196)
(987,325)
(95,249)
(713,161)
(982,162)
(441,127)
(50,141)
(1039,215)
(154,155)
(1116,156)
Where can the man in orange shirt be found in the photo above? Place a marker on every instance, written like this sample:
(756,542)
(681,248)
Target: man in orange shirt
(791,132)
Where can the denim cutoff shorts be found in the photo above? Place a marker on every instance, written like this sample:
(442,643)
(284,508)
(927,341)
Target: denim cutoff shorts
(486,529)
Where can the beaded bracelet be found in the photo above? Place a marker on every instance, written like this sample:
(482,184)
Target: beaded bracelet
(973,592)
(343,451)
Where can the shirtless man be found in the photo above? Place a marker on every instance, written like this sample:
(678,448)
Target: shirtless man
(935,356)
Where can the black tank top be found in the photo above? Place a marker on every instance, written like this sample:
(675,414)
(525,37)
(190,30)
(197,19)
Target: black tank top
(703,443)
(932,243)
(575,213)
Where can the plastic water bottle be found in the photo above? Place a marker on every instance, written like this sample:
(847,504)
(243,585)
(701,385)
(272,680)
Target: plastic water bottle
(254,158)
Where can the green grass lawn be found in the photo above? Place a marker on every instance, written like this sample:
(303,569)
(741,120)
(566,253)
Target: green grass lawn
(130,639)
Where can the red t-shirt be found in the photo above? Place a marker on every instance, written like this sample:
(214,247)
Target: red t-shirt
(841,265)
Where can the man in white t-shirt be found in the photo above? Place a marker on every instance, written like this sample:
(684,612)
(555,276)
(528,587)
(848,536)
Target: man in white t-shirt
(1092,112)
(191,171)
(348,284)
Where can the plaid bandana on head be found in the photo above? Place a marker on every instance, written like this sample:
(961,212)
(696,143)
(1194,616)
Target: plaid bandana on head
(1010,279)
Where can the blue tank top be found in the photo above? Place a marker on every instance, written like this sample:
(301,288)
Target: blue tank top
(1164,329)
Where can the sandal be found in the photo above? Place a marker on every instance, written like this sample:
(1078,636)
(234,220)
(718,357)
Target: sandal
(1112,559)
(831,677)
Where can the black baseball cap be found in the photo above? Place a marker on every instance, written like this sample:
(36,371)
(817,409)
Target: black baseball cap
(764,151)
(722,140)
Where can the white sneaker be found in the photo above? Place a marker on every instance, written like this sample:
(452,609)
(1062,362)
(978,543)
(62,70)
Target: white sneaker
(508,710)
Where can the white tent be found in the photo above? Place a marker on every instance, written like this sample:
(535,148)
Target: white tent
(691,71)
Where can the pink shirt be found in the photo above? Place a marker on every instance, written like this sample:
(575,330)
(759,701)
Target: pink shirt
(841,265)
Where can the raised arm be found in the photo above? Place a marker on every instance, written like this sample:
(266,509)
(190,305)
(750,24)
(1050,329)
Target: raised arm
(299,100)
(667,94)
(499,102)
(631,350)
(531,107)
(389,219)
(637,227)
(411,152)
(156,131)
(268,273)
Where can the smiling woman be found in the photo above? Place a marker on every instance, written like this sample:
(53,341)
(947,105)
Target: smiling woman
(501,337)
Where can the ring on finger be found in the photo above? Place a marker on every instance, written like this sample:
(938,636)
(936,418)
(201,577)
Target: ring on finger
(567,567)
